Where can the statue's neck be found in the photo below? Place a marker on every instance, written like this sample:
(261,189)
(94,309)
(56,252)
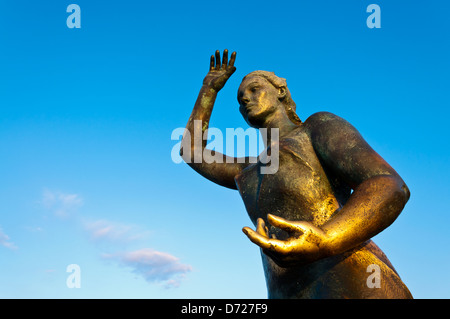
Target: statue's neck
(280,122)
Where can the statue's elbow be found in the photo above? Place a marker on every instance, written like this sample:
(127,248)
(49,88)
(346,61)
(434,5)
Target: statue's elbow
(398,189)
(406,192)
(402,190)
(185,156)
(187,153)
(181,151)
(400,194)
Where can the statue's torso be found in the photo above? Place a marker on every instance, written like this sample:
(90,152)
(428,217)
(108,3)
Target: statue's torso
(301,190)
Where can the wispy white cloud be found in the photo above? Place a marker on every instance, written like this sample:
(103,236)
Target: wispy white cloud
(5,241)
(61,204)
(114,232)
(34,229)
(153,266)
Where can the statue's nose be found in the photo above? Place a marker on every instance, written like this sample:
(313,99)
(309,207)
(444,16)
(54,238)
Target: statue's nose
(245,100)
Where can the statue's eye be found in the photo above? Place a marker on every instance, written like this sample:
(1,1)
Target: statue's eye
(254,88)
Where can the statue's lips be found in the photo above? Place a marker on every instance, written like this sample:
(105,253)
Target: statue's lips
(249,107)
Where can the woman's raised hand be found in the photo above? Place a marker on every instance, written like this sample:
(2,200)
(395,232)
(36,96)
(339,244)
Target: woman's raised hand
(219,73)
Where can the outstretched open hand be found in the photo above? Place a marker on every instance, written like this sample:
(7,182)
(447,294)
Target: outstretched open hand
(219,73)
(307,243)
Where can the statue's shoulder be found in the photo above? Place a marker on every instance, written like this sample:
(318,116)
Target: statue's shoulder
(318,130)
(322,122)
(322,117)
(329,132)
(315,123)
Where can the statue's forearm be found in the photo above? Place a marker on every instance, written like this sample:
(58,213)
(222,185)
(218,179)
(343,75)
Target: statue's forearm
(372,207)
(203,106)
(202,112)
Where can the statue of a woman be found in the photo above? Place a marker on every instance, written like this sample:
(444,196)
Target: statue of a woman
(316,215)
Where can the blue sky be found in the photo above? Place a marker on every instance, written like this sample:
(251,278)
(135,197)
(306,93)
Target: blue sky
(86,117)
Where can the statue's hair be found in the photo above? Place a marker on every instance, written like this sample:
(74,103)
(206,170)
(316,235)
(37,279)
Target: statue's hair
(278,82)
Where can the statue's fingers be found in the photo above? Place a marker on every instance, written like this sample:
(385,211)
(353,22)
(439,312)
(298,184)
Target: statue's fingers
(263,241)
(225,59)
(211,63)
(230,70)
(284,224)
(261,228)
(232,59)
(217,60)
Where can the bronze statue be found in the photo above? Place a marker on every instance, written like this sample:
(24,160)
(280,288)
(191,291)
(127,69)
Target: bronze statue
(316,215)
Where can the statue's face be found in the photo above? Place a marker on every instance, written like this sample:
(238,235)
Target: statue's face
(257,99)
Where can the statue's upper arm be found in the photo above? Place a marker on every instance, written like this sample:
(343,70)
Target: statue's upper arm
(344,151)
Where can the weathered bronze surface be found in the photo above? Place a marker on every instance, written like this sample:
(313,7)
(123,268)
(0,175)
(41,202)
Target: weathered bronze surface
(316,215)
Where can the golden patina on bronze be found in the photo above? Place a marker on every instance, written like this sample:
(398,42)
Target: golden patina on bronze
(316,215)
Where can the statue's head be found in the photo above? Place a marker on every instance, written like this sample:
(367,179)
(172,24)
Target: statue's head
(261,94)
